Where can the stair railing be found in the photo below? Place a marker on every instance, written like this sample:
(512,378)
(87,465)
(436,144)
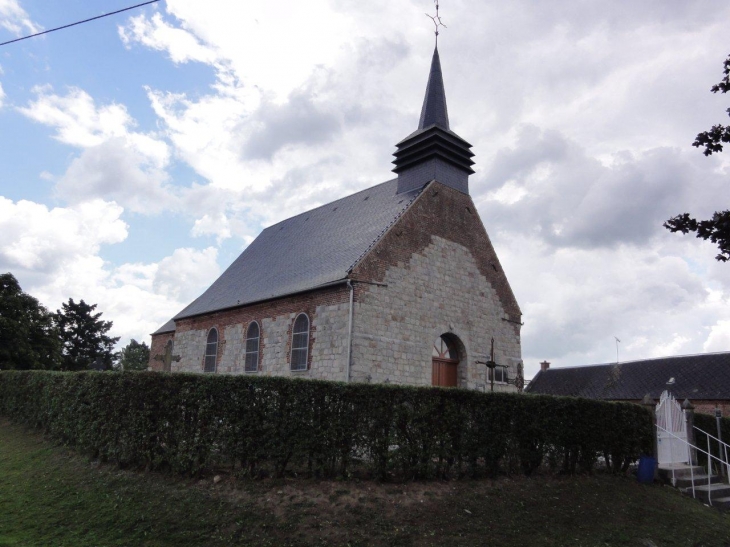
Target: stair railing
(690,446)
(722,448)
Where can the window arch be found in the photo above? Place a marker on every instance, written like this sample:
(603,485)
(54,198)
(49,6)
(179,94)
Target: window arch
(211,351)
(300,342)
(253,335)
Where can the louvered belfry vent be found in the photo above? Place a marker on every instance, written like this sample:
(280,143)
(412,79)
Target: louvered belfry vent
(433,151)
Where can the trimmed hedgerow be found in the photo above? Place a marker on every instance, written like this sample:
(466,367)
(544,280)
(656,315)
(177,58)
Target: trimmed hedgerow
(189,423)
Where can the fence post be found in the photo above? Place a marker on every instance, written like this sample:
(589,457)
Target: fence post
(648,403)
(689,416)
(718,419)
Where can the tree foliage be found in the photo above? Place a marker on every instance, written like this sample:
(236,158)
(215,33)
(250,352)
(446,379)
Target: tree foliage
(134,356)
(28,334)
(712,140)
(83,334)
(717,228)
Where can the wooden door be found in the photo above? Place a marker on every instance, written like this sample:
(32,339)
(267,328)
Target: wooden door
(445,364)
(444,373)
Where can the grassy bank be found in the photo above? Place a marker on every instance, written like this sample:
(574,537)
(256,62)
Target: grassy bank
(50,496)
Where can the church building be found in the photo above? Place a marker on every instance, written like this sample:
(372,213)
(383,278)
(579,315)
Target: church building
(398,283)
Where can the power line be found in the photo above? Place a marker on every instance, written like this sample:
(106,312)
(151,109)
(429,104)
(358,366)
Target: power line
(78,22)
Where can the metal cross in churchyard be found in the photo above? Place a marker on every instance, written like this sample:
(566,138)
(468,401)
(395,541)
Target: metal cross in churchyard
(167,358)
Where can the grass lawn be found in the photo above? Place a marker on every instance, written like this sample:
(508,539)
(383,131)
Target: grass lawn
(50,496)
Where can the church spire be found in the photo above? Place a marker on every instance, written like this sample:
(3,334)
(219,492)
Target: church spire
(433,151)
(434,111)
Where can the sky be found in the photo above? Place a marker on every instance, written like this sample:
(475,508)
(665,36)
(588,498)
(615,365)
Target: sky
(141,153)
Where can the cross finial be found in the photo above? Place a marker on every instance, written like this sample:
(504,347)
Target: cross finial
(436,21)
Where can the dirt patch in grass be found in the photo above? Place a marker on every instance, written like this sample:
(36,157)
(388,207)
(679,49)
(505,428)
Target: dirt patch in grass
(51,496)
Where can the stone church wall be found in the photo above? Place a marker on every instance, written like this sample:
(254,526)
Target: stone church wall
(328,312)
(437,273)
(438,291)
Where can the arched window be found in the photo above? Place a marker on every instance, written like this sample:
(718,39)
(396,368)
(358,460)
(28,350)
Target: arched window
(300,342)
(253,334)
(211,351)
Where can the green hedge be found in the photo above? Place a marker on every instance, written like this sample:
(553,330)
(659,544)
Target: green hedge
(188,423)
(708,423)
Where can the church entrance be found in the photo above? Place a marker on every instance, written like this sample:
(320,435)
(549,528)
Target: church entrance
(445,363)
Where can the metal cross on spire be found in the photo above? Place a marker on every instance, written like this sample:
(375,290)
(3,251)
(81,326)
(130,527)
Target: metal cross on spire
(436,21)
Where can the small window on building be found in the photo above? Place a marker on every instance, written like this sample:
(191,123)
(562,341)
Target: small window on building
(211,351)
(300,342)
(500,375)
(253,334)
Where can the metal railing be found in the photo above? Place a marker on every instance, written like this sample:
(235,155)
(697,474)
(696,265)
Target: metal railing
(722,450)
(690,462)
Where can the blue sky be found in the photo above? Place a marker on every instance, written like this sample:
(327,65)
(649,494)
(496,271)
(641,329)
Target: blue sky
(140,153)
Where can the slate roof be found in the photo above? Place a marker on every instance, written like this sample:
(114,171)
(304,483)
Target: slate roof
(167,327)
(697,377)
(310,250)
(434,110)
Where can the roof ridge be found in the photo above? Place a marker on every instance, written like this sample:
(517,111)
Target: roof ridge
(388,227)
(634,361)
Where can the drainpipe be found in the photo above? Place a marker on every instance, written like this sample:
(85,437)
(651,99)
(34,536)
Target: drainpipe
(349,331)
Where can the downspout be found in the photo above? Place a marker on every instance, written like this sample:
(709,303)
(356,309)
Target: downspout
(349,331)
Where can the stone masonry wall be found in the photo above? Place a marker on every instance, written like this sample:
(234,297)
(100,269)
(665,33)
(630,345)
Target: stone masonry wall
(441,276)
(328,312)
(438,291)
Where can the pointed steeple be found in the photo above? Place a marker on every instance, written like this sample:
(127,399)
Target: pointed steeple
(433,151)
(434,111)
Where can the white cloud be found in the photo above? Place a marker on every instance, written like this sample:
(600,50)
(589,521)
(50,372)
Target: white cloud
(117,163)
(719,338)
(574,301)
(197,268)
(16,19)
(38,239)
(2,95)
(55,254)
(217,225)
(79,122)
(115,170)
(157,34)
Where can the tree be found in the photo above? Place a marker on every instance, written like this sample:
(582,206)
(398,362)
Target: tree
(716,229)
(28,335)
(85,342)
(134,356)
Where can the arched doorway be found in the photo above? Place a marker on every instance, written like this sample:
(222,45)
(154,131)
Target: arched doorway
(445,362)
